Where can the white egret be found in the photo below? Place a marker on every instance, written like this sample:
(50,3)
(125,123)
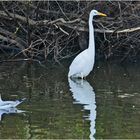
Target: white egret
(83,63)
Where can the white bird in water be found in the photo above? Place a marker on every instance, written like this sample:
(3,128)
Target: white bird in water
(83,64)
(9,104)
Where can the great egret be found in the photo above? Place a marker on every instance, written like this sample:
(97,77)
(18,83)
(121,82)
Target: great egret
(83,63)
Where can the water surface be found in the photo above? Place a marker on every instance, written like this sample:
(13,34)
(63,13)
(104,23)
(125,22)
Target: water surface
(105,105)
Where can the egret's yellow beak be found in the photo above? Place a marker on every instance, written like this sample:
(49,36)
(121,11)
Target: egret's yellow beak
(102,14)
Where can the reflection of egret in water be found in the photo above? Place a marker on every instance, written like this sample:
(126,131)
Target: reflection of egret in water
(83,94)
(8,107)
(9,111)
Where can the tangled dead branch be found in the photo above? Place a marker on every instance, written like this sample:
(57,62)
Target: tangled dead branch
(51,29)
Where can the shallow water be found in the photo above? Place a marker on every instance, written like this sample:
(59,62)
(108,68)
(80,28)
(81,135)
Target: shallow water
(106,105)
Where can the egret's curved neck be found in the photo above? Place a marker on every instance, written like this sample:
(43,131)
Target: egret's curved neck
(91,35)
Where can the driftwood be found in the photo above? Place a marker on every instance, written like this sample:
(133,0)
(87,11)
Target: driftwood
(62,21)
(50,29)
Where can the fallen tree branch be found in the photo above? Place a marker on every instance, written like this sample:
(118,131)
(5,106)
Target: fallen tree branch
(85,29)
(13,36)
(17,17)
(12,42)
(61,21)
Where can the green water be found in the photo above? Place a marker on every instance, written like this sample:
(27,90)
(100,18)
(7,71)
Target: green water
(55,109)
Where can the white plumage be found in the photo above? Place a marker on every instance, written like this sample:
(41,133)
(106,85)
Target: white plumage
(83,63)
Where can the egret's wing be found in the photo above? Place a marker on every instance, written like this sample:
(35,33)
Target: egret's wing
(78,63)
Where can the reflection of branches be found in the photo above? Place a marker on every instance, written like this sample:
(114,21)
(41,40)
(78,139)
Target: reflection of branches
(49,29)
